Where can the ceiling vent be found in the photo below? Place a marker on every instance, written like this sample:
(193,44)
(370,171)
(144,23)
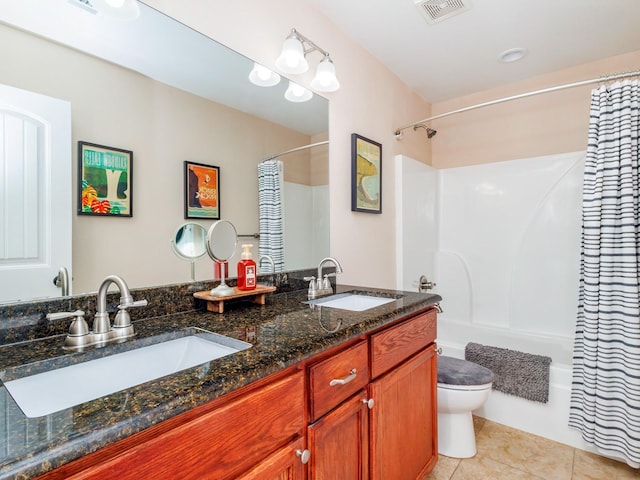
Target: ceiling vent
(84,4)
(435,11)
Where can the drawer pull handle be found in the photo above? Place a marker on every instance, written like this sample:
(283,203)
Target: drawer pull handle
(345,380)
(368,402)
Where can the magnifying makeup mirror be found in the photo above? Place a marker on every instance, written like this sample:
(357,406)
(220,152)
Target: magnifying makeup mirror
(190,243)
(222,240)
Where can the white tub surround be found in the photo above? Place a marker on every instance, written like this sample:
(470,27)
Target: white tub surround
(502,245)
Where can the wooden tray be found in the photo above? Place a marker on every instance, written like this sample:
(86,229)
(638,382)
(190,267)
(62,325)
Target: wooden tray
(216,304)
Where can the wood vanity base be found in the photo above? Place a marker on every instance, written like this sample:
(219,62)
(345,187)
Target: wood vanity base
(363,409)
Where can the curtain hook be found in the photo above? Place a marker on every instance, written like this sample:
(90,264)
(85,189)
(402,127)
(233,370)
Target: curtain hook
(608,80)
(602,83)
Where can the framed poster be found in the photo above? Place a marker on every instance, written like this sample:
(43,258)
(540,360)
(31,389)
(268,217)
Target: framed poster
(366,175)
(201,191)
(105,176)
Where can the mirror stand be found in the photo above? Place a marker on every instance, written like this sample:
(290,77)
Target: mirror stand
(195,286)
(189,243)
(221,243)
(222,290)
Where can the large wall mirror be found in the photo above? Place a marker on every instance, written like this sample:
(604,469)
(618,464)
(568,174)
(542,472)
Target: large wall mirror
(168,94)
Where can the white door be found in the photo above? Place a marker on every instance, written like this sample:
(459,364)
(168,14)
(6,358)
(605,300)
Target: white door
(416,222)
(35,193)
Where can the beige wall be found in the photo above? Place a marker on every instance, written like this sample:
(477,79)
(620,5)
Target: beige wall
(163,127)
(544,124)
(371,102)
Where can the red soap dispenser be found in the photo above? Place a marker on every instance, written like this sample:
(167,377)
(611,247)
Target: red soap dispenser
(246,270)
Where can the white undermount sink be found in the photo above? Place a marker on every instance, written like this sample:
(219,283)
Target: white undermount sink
(55,390)
(356,302)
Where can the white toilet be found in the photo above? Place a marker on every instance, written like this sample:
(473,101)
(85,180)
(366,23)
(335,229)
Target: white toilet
(462,387)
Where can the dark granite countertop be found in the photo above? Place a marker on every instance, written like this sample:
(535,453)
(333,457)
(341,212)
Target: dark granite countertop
(283,332)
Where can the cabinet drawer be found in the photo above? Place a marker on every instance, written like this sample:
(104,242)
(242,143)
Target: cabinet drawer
(335,379)
(218,445)
(392,346)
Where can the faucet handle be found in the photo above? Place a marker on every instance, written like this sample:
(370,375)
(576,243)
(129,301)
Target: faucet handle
(61,315)
(137,303)
(312,286)
(78,327)
(123,319)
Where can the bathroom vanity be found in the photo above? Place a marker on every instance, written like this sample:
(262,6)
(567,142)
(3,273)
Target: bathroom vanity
(320,390)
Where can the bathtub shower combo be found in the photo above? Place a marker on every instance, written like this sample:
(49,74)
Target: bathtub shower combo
(502,242)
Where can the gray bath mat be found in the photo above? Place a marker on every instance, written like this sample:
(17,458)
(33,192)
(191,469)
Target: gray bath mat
(516,373)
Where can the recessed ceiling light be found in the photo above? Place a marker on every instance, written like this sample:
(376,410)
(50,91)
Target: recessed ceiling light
(512,55)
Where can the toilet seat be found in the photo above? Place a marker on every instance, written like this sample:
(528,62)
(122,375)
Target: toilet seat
(458,374)
(485,386)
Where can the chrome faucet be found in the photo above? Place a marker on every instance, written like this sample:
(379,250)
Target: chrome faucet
(269,260)
(327,260)
(79,334)
(122,327)
(321,285)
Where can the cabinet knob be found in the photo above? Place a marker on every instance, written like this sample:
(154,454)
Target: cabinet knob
(343,381)
(368,402)
(304,455)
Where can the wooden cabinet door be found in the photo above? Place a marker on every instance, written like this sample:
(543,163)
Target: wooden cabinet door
(338,443)
(403,431)
(285,464)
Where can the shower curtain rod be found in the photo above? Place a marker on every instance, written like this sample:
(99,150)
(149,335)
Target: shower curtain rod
(606,78)
(272,157)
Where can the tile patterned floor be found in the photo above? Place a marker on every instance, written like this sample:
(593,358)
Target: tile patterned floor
(505,453)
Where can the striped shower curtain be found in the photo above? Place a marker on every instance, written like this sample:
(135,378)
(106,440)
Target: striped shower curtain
(605,397)
(271,211)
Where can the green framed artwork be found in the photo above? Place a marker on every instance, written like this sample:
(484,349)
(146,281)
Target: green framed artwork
(366,175)
(104,180)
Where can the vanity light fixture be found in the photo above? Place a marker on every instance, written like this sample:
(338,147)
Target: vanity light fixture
(293,60)
(118,9)
(325,79)
(297,93)
(263,77)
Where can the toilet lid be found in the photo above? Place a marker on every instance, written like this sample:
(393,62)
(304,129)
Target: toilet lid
(454,371)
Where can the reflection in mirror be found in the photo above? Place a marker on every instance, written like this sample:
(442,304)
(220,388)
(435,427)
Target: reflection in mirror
(190,243)
(167,108)
(222,239)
